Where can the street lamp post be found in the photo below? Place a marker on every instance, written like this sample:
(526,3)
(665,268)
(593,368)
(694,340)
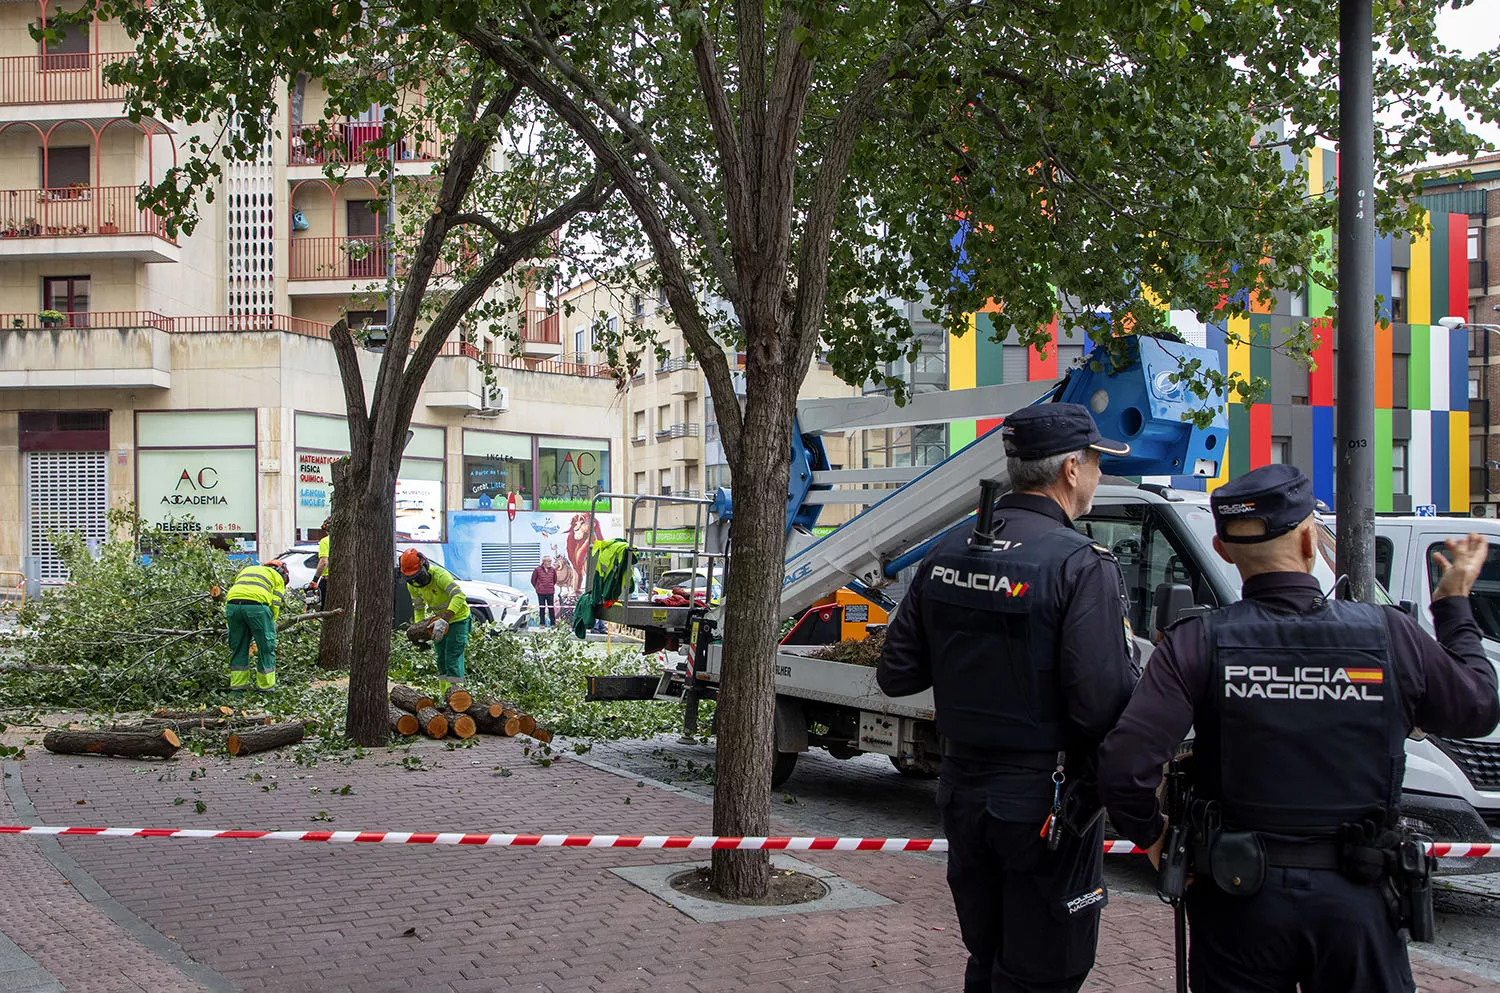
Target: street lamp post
(1453,324)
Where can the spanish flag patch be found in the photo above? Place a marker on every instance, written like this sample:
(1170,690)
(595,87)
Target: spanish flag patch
(1365,675)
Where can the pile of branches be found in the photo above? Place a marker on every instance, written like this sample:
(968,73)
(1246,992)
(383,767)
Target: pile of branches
(865,652)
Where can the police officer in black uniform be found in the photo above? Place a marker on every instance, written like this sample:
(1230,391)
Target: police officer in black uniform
(1300,705)
(1020,630)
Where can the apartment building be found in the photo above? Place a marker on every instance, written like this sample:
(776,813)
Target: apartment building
(1477,199)
(191,375)
(672,437)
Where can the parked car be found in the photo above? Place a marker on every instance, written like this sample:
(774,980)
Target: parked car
(491,603)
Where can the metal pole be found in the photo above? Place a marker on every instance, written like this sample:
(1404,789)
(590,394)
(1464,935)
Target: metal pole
(1355,466)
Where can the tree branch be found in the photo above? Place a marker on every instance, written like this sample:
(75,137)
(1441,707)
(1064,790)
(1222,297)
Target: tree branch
(480,221)
(668,255)
(822,211)
(353,380)
(721,121)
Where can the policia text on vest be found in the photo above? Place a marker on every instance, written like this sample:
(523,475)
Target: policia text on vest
(1300,707)
(1019,629)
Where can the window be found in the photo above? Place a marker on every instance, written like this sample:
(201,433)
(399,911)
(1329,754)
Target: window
(71,51)
(1281,451)
(1149,555)
(663,419)
(1400,379)
(1485,597)
(65,168)
(716,476)
(1473,385)
(570,472)
(661,298)
(1398,296)
(638,306)
(690,411)
(611,330)
(495,466)
(67,295)
(580,340)
(1385,553)
(1297,301)
(639,434)
(363,250)
(640,483)
(1398,467)
(1474,235)
(664,480)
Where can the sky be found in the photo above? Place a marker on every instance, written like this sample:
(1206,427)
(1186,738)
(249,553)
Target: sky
(1472,30)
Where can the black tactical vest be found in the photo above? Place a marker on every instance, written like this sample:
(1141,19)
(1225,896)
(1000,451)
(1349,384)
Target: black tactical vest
(992,618)
(1303,730)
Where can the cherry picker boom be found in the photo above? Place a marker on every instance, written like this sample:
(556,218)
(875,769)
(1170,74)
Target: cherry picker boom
(1136,387)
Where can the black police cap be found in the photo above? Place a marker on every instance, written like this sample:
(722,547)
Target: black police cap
(1280,496)
(1053,428)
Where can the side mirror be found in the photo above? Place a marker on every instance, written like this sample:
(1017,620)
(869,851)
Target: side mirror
(1410,606)
(1170,603)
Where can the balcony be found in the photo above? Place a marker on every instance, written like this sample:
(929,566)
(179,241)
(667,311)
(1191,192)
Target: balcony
(49,86)
(541,333)
(82,222)
(1479,275)
(677,431)
(86,351)
(676,364)
(312,146)
(341,265)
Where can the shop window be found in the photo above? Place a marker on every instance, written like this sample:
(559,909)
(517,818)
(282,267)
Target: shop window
(495,466)
(570,472)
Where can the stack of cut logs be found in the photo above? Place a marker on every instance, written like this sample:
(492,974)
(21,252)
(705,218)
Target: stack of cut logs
(460,716)
(161,734)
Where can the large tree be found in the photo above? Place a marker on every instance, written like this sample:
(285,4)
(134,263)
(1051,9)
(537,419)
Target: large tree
(492,207)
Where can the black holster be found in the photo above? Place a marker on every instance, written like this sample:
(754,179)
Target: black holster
(1397,863)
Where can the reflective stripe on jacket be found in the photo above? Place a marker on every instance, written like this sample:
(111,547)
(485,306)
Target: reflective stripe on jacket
(259,584)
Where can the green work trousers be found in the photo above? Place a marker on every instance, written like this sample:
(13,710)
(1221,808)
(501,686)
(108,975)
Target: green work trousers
(450,651)
(251,622)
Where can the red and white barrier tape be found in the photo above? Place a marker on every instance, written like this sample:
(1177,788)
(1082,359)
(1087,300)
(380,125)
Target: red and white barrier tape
(651,841)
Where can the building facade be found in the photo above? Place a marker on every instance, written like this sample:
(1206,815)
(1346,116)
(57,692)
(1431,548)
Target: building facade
(190,375)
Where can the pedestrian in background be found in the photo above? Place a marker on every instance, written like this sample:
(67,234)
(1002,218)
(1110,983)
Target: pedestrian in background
(1020,630)
(544,581)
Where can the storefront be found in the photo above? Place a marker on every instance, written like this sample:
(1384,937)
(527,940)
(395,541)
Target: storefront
(196,472)
(570,471)
(495,466)
(420,512)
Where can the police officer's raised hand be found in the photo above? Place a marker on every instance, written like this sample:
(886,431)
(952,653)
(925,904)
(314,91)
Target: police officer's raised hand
(1461,566)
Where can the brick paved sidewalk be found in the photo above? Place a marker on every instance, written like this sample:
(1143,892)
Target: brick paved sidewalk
(289,917)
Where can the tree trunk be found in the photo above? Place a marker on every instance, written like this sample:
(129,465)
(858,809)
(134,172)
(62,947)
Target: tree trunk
(266,738)
(374,559)
(333,640)
(161,743)
(410,700)
(747,692)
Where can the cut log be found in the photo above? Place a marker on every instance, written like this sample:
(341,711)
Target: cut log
(433,723)
(459,700)
(266,738)
(527,722)
(493,720)
(158,742)
(403,723)
(192,715)
(460,725)
(494,708)
(542,735)
(410,700)
(220,724)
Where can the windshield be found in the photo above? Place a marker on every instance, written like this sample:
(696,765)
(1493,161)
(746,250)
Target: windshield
(1485,597)
(1201,520)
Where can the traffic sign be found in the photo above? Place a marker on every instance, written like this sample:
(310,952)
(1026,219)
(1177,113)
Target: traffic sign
(511,506)
(1426,510)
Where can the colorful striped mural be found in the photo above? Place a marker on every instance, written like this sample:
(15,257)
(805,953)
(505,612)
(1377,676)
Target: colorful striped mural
(1421,370)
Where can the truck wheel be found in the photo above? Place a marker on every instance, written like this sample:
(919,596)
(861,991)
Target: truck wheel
(842,751)
(781,771)
(915,770)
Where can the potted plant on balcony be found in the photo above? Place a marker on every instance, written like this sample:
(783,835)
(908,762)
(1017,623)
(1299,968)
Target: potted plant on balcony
(30,228)
(51,318)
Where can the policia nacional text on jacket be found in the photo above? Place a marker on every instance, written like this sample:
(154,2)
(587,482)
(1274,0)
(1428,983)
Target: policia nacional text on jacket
(1300,708)
(1022,636)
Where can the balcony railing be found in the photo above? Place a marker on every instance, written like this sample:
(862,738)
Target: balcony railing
(59,78)
(556,367)
(77,211)
(676,364)
(542,328)
(678,431)
(345,141)
(349,257)
(177,325)
(1479,274)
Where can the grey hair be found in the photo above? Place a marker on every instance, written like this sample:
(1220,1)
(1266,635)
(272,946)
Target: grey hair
(1029,475)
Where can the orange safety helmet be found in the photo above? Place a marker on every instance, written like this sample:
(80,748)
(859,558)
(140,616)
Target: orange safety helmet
(280,567)
(411,562)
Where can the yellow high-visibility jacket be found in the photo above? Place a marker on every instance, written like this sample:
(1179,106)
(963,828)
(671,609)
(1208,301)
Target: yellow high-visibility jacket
(441,594)
(259,584)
